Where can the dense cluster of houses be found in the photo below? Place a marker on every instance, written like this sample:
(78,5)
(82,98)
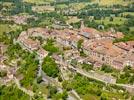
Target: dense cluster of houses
(22,19)
(97,45)
(18,19)
(26,42)
(6,72)
(9,73)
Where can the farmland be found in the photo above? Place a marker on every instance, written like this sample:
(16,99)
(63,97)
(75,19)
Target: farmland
(116,20)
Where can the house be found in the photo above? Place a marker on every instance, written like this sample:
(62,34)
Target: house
(127,46)
(45,33)
(129,60)
(68,38)
(42,53)
(89,33)
(20,19)
(35,32)
(2,48)
(118,35)
(124,60)
(30,44)
(103,51)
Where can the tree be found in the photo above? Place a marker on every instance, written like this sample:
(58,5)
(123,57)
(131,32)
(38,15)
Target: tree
(60,78)
(49,46)
(52,91)
(79,44)
(50,67)
(11,92)
(39,79)
(111,19)
(3,73)
(66,85)
(87,67)
(106,68)
(131,80)
(64,95)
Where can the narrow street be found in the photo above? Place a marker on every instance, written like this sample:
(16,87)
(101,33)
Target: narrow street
(90,75)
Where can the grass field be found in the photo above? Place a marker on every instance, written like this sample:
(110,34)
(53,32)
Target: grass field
(112,2)
(37,1)
(117,20)
(8,28)
(128,13)
(132,29)
(78,6)
(61,6)
(73,20)
(45,22)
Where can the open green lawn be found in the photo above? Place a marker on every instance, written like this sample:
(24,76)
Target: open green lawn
(131,29)
(8,28)
(42,88)
(37,1)
(110,96)
(4,28)
(78,6)
(128,13)
(73,20)
(112,2)
(90,97)
(45,22)
(117,20)
(61,6)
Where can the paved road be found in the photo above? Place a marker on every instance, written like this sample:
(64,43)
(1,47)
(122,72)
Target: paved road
(84,73)
(40,67)
(50,80)
(74,94)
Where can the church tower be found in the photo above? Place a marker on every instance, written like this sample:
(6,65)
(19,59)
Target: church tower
(82,26)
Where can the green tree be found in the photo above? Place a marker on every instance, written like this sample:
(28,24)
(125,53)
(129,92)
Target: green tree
(79,44)
(52,91)
(50,67)
(49,46)
(39,79)
(106,68)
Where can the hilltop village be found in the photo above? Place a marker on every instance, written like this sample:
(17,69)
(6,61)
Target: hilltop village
(66,49)
(98,47)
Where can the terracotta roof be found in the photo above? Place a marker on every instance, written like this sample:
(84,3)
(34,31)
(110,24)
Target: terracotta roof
(130,43)
(126,46)
(130,57)
(40,31)
(109,51)
(42,52)
(118,35)
(30,43)
(89,30)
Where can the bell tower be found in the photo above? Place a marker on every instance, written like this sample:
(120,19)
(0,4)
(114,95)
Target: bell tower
(82,26)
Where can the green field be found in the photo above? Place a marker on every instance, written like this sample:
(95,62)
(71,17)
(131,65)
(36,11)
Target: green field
(78,6)
(128,13)
(61,6)
(38,1)
(116,20)
(73,20)
(132,29)
(112,2)
(8,28)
